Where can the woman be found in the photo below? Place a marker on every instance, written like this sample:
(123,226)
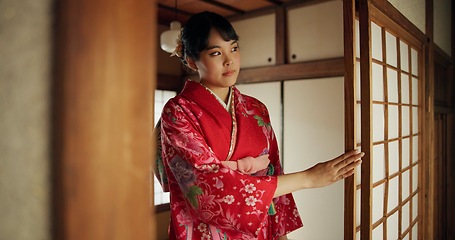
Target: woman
(219,150)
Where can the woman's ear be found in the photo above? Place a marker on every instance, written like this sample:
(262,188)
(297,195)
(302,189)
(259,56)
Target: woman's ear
(191,63)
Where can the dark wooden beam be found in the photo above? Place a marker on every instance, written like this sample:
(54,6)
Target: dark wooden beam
(179,11)
(224,6)
(276,2)
(294,71)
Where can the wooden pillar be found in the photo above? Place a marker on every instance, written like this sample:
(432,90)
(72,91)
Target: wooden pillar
(366,119)
(103,87)
(349,115)
(429,174)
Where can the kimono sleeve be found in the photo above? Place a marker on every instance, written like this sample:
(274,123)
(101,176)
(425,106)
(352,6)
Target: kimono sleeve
(214,194)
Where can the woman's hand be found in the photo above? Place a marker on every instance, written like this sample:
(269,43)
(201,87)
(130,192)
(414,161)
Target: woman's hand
(326,173)
(321,174)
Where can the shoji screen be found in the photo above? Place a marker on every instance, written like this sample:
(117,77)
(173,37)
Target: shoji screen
(314,132)
(395,159)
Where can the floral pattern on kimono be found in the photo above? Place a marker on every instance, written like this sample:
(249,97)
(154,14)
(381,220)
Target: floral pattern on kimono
(208,199)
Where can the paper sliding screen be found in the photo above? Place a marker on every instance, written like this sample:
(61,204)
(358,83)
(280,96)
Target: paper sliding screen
(396,110)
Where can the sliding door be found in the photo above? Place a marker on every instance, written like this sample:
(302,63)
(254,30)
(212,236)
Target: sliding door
(388,99)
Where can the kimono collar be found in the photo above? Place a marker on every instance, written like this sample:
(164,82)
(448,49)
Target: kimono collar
(225,106)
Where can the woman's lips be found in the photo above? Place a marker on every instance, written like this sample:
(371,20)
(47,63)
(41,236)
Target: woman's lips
(229,73)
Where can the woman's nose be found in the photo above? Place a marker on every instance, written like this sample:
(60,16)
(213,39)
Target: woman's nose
(228,61)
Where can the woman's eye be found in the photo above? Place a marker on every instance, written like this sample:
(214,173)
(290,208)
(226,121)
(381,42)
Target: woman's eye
(215,54)
(235,49)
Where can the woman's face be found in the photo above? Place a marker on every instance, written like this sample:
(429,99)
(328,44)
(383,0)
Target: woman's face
(219,63)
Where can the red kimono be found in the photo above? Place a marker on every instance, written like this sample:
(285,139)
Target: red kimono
(210,200)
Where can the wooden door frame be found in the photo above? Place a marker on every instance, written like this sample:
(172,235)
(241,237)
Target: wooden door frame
(104,77)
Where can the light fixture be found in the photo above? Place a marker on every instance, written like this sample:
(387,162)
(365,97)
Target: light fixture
(168,38)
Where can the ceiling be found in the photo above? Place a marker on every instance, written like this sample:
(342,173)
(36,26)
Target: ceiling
(227,8)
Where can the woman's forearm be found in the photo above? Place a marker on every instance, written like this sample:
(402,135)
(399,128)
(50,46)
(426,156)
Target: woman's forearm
(320,175)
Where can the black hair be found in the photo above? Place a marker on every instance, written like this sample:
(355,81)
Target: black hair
(195,34)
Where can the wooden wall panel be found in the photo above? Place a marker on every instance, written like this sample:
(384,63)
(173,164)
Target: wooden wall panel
(103,89)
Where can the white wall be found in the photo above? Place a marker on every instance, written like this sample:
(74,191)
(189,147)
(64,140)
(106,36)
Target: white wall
(25,80)
(413,10)
(443,25)
(314,132)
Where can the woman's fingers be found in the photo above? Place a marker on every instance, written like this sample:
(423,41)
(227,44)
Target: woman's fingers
(348,158)
(346,163)
(344,156)
(349,169)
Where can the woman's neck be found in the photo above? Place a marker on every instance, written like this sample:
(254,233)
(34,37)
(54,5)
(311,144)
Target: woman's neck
(221,92)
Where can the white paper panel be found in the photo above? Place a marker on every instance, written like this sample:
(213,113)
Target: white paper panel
(415,177)
(378,122)
(315,31)
(357,81)
(393,157)
(377,82)
(415,207)
(404,56)
(405,121)
(378,163)
(256,51)
(358,171)
(378,232)
(392,201)
(405,153)
(392,226)
(415,91)
(405,185)
(314,125)
(357,39)
(358,123)
(391,49)
(415,149)
(393,121)
(415,231)
(414,62)
(357,206)
(404,88)
(392,85)
(378,203)
(415,120)
(376,41)
(161,98)
(405,217)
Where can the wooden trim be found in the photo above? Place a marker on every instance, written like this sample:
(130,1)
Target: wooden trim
(103,82)
(294,71)
(387,12)
(300,3)
(170,82)
(252,14)
(428,172)
(366,118)
(162,207)
(281,36)
(224,6)
(350,111)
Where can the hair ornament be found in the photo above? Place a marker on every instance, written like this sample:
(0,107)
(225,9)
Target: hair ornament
(178,51)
